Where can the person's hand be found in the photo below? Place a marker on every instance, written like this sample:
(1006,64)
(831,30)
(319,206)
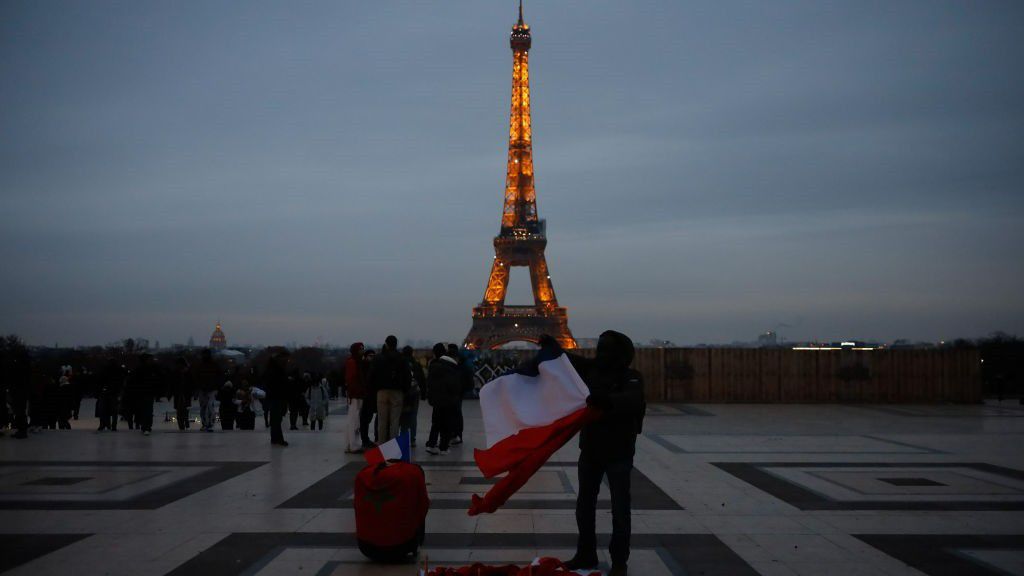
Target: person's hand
(548,341)
(599,400)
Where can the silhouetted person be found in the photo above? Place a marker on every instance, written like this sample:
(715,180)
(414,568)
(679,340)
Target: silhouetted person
(227,407)
(78,381)
(297,400)
(144,383)
(411,402)
(5,417)
(318,398)
(63,399)
(466,382)
(607,445)
(208,378)
(355,388)
(246,418)
(444,392)
(108,391)
(390,377)
(18,374)
(276,381)
(182,391)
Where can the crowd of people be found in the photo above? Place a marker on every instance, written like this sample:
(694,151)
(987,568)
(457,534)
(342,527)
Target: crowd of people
(383,390)
(387,388)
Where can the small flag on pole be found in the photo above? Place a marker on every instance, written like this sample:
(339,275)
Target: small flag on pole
(394,449)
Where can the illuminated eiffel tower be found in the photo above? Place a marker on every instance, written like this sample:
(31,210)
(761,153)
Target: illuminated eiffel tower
(522,238)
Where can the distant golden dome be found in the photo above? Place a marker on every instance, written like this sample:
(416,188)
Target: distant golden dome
(217,339)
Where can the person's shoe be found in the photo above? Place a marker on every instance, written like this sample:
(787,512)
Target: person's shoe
(617,570)
(432,450)
(457,440)
(282,443)
(444,452)
(577,563)
(294,428)
(145,432)
(20,435)
(412,444)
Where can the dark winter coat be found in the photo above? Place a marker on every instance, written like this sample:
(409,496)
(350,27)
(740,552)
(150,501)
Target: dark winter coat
(444,383)
(182,389)
(390,372)
(276,381)
(144,381)
(619,392)
(209,376)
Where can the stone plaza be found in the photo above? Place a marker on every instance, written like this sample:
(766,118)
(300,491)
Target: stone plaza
(718,489)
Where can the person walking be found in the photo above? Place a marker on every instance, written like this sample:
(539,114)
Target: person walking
(355,388)
(411,402)
(297,401)
(444,390)
(318,397)
(142,386)
(17,372)
(63,399)
(607,445)
(227,409)
(209,379)
(108,389)
(181,391)
(466,383)
(276,381)
(391,378)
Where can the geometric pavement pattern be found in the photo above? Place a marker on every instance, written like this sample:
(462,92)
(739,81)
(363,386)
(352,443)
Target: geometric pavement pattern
(717,489)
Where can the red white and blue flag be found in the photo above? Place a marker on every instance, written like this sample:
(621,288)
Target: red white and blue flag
(394,449)
(527,418)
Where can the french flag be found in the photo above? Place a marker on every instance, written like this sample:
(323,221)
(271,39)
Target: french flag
(394,449)
(527,418)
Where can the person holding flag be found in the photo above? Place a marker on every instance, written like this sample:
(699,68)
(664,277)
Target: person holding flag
(607,446)
(531,414)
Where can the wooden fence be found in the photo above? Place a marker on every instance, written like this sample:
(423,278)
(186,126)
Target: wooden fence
(782,375)
(788,376)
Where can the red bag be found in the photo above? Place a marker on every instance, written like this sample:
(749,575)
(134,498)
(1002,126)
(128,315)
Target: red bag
(391,509)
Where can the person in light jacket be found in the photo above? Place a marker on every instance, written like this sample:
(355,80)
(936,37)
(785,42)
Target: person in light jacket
(318,396)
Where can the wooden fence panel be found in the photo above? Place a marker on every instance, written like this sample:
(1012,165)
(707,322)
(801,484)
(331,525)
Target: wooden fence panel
(770,369)
(798,373)
(786,375)
(687,375)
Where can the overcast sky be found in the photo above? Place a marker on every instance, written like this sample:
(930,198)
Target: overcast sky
(334,171)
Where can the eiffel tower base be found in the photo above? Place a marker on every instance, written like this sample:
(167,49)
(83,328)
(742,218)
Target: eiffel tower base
(492,329)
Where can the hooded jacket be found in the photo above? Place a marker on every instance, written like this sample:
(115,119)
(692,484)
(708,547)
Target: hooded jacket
(444,382)
(619,391)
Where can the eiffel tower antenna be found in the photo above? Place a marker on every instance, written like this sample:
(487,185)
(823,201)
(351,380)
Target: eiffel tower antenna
(520,12)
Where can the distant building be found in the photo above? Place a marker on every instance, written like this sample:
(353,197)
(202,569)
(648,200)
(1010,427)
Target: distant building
(768,339)
(217,339)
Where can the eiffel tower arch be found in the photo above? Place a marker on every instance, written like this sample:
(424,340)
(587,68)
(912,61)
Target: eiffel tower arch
(522,238)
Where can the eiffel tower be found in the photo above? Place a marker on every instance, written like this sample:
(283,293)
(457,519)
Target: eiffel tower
(522,238)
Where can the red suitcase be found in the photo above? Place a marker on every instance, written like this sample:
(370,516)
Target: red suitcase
(391,510)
